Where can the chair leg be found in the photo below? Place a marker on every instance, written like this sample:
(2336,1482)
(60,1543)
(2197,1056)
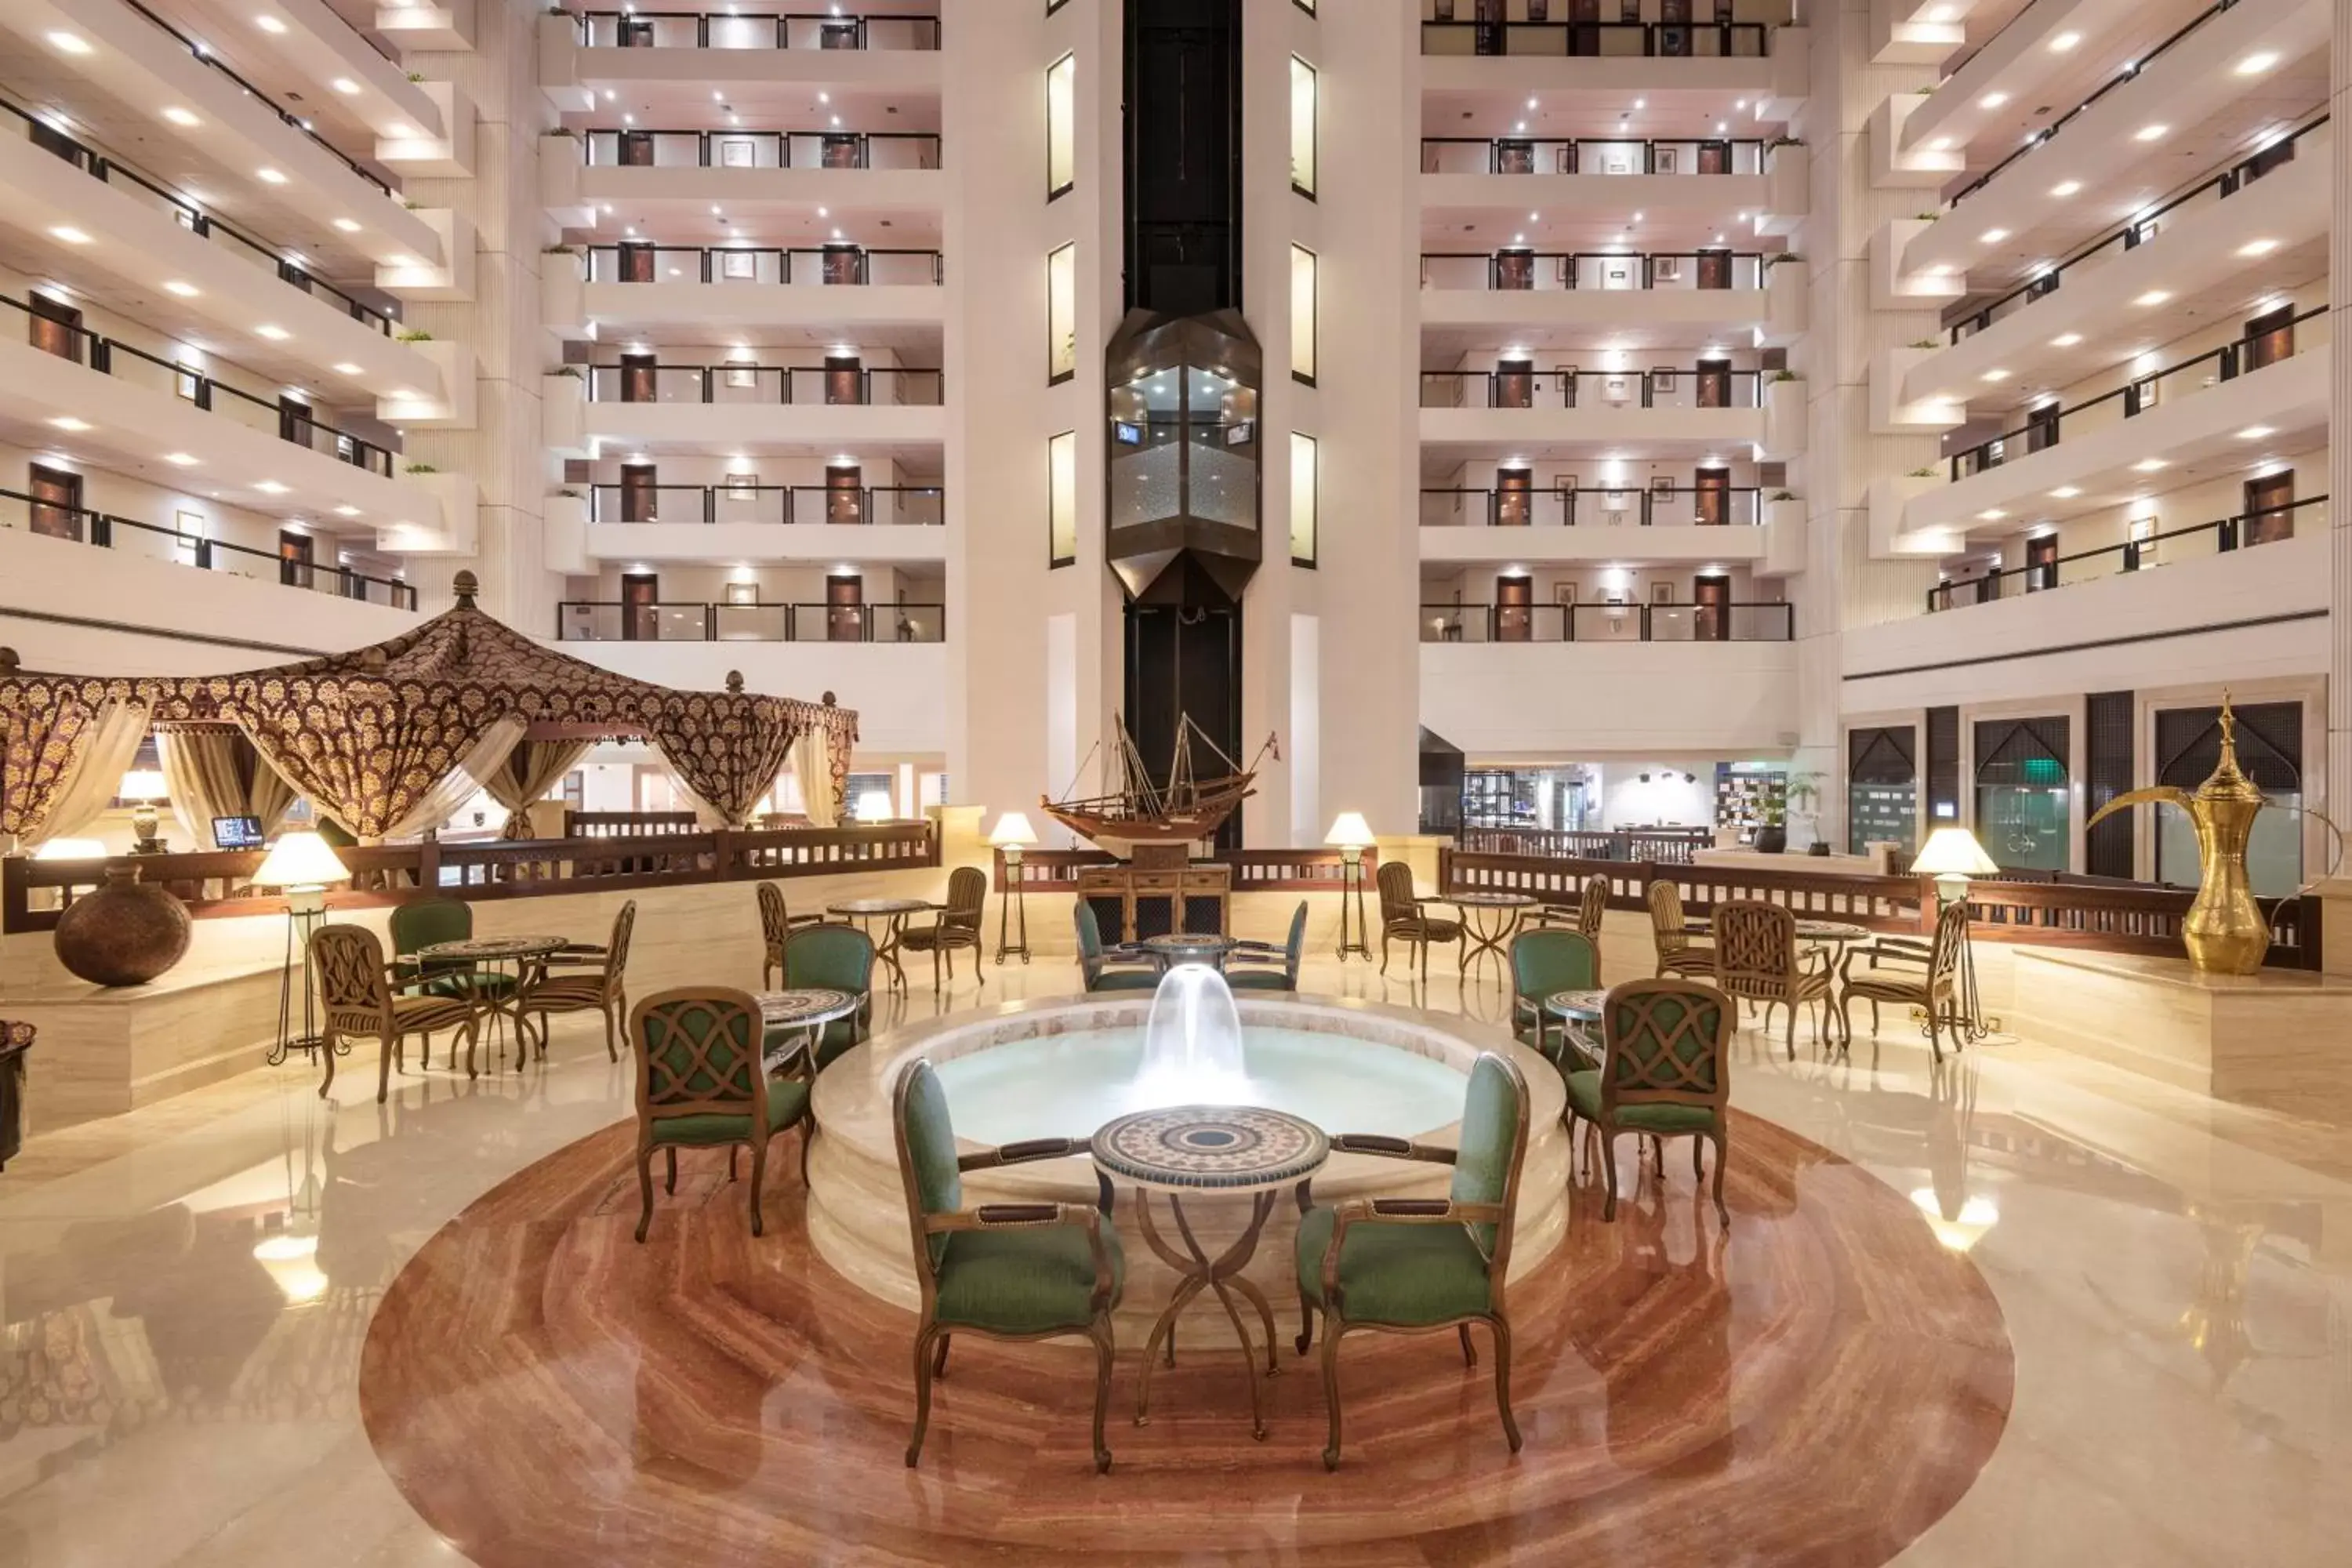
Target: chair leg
(1609,1170)
(1331,1392)
(645,1190)
(934,971)
(612,1034)
(1721,1139)
(731,1159)
(922,1394)
(1792,1035)
(670,1177)
(1469,1350)
(939,1361)
(327,1055)
(391,1044)
(1305,1325)
(1105,1352)
(1502,1331)
(1935,1033)
(1698,1148)
(1873,1016)
(759,1169)
(1384,952)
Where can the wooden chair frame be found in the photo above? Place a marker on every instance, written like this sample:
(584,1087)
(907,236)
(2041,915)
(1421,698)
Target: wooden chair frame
(776,925)
(1420,1211)
(932,1338)
(1403,918)
(1756,960)
(600,989)
(657,1011)
(1678,955)
(1660,1077)
(957,925)
(355,995)
(1937,991)
(1592,905)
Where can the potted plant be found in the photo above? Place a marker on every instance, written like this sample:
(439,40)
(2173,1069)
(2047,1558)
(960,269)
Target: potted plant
(1804,792)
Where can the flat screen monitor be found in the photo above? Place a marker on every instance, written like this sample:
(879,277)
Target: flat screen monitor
(237,832)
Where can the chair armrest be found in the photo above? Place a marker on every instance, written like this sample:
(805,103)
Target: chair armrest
(1021,1152)
(1398,1211)
(1382,1145)
(1035,1217)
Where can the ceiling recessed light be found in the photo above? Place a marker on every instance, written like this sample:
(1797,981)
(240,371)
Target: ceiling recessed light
(274,333)
(67,43)
(270,23)
(270,487)
(2153,297)
(178,116)
(69,424)
(2066,492)
(2256,433)
(345,86)
(2254,65)
(2065,340)
(180,459)
(2149,465)
(347,226)
(347,511)
(1991,514)
(2258,248)
(2064,42)
(270,176)
(70,234)
(2065,187)
(2149,132)
(1996,375)
(1993,99)
(347,368)
(1993,235)
(1940,144)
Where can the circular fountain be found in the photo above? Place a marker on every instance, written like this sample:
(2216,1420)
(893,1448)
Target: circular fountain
(1064,1068)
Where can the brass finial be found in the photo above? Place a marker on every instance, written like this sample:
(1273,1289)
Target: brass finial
(734,681)
(8,662)
(466,586)
(828,699)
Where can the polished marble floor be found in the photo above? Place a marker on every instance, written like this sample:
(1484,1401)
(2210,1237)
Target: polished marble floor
(186,1295)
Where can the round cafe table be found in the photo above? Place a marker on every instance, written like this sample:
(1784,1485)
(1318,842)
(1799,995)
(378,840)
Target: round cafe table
(528,955)
(1832,934)
(1578,1012)
(893,913)
(1172,948)
(1490,919)
(1197,1151)
(792,1022)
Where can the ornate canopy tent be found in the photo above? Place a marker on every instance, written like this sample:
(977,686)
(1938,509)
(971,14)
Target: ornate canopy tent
(378,736)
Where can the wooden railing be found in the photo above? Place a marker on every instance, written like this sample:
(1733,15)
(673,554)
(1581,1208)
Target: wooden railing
(2135,918)
(1254,870)
(1663,845)
(624,824)
(217,883)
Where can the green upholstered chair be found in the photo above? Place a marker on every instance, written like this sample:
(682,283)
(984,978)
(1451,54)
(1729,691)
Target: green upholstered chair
(1004,1271)
(839,957)
(1403,918)
(1544,960)
(1413,1266)
(1102,972)
(777,924)
(1260,967)
(1663,1073)
(702,1084)
(422,924)
(957,925)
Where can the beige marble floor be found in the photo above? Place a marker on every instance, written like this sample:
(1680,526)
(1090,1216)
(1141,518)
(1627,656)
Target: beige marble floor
(2176,1275)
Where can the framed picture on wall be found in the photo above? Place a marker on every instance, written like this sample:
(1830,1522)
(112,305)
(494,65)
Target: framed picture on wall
(1564,593)
(737,152)
(742,378)
(1669,161)
(1662,484)
(738,264)
(1662,380)
(1667,269)
(2144,548)
(1661,593)
(742,592)
(739,487)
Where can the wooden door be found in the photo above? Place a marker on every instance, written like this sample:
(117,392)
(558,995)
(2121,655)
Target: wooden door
(1715,383)
(636,263)
(296,552)
(1715,269)
(1515,157)
(638,379)
(839,150)
(640,612)
(2042,428)
(845,379)
(296,421)
(837,35)
(1715,157)
(1711,622)
(845,495)
(1514,600)
(843,264)
(1515,270)
(639,499)
(57,502)
(845,609)
(54,327)
(637,149)
(1490,27)
(1584,27)
(2268,500)
(2041,563)
(1711,498)
(1514,488)
(1515,384)
(637,33)
(2270,337)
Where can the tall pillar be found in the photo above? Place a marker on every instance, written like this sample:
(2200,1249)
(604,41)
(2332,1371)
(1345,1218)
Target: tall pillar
(2336,787)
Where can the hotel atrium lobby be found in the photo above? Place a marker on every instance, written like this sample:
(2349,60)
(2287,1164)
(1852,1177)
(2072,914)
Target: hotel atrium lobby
(1653,872)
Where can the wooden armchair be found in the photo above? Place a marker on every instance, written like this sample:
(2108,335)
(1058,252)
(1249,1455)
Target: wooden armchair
(1262,967)
(1897,973)
(1403,918)
(777,924)
(356,996)
(1005,1271)
(1417,1266)
(1677,953)
(583,988)
(1543,961)
(957,925)
(1663,1074)
(1591,903)
(703,1083)
(1756,960)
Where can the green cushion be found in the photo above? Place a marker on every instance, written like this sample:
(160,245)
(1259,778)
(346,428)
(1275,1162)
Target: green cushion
(1023,1280)
(433,920)
(1124,980)
(1543,961)
(931,1151)
(787,1098)
(1257,979)
(1584,1094)
(460,982)
(836,1039)
(1408,1275)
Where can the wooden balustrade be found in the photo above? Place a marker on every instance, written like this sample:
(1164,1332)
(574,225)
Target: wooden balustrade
(1254,870)
(217,883)
(1660,846)
(625,824)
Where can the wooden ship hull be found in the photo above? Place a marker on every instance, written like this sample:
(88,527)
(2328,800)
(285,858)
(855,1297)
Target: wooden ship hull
(1107,824)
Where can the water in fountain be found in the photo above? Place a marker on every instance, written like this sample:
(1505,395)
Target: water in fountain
(1192,1042)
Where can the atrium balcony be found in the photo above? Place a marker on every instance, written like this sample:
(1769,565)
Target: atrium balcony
(1708,292)
(1614,694)
(1665,524)
(662,175)
(1723,50)
(1699,409)
(1568,175)
(724,524)
(880,46)
(584,620)
(651,288)
(654,405)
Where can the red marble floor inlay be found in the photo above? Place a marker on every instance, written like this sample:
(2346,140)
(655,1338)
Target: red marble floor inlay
(1818,1389)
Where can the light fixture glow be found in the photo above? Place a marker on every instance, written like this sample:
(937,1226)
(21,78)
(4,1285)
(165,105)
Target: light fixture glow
(2065,340)
(2149,465)
(347,226)
(270,176)
(70,234)
(347,511)
(178,116)
(1993,99)
(71,426)
(2066,492)
(2154,297)
(2254,65)
(2258,248)
(181,459)
(1996,375)
(1940,144)
(274,333)
(2256,433)
(345,86)
(270,487)
(1991,514)
(270,23)
(67,43)
(2064,42)
(1993,235)
(2066,188)
(2149,132)
(347,368)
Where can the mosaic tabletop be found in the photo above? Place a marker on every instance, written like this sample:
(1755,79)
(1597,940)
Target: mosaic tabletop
(806,1006)
(1585,1004)
(1228,1147)
(860,908)
(1807,930)
(495,947)
(1489,900)
(1187,941)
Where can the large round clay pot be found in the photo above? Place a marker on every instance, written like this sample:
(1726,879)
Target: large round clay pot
(1771,840)
(126,933)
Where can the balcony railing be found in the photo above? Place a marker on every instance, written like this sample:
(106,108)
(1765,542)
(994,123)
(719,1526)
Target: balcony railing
(761,149)
(820,267)
(1566,387)
(132,537)
(289,421)
(2128,73)
(755,30)
(911,505)
(606,620)
(1665,506)
(1603,270)
(1608,623)
(2045,428)
(882,386)
(2242,531)
(1708,37)
(190,216)
(1601,155)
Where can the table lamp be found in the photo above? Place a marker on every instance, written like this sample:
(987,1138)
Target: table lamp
(1353,836)
(142,787)
(1011,836)
(1952,856)
(299,865)
(874,806)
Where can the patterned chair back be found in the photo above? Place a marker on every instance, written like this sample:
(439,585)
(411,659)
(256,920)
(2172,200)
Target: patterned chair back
(772,927)
(1755,949)
(1394,881)
(967,891)
(1666,917)
(1662,1043)
(625,925)
(927,1157)
(1493,1146)
(1592,904)
(840,958)
(353,992)
(1951,940)
(697,1051)
(419,925)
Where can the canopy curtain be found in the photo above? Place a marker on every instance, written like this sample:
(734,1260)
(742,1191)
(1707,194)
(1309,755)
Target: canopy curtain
(474,772)
(368,752)
(726,761)
(213,770)
(528,772)
(62,765)
(813,770)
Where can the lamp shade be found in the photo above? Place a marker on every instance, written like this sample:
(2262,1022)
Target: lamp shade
(1953,852)
(143,784)
(71,849)
(1013,831)
(874,805)
(300,860)
(1351,831)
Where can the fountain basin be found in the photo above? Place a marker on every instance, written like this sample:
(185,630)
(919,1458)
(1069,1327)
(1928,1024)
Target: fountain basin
(1064,1066)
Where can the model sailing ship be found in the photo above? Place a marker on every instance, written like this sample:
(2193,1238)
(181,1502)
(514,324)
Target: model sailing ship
(1183,811)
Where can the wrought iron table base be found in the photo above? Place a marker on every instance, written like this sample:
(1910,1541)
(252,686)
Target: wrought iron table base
(1221,1276)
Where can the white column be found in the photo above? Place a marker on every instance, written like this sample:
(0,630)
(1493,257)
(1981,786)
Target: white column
(2336,787)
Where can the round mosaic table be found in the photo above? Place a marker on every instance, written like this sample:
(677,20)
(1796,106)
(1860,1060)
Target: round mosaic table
(528,954)
(1578,1012)
(893,913)
(1201,1150)
(1172,948)
(1490,920)
(792,1022)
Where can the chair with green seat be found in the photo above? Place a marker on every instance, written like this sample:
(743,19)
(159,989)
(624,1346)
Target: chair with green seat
(1261,967)
(702,1084)
(777,924)
(422,925)
(1417,1266)
(1102,972)
(1663,1074)
(1543,961)
(837,958)
(1004,1271)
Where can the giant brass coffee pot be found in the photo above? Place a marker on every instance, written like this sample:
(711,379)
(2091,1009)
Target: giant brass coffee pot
(2225,931)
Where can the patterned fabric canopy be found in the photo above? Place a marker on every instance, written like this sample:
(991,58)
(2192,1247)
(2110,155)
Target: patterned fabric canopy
(367,734)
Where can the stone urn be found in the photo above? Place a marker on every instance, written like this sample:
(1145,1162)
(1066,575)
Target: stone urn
(125,933)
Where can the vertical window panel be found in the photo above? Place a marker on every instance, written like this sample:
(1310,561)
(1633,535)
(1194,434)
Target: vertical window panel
(1062,314)
(1062,498)
(1302,313)
(1061,126)
(1306,485)
(1302,127)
